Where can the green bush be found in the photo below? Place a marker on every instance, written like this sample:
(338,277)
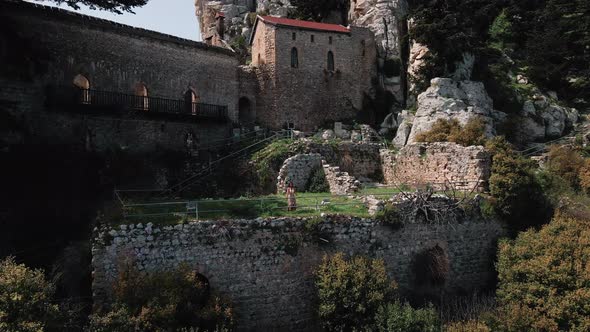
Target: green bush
(25,299)
(268,161)
(351,291)
(501,30)
(317,182)
(161,301)
(544,279)
(452,131)
(400,317)
(390,216)
(566,163)
(516,194)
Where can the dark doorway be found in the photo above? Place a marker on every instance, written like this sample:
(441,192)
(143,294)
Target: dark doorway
(246,112)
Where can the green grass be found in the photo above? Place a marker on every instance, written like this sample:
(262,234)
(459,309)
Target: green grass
(381,191)
(309,204)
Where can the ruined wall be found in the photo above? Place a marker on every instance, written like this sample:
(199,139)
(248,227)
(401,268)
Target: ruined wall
(438,164)
(298,169)
(361,160)
(58,45)
(265,267)
(329,96)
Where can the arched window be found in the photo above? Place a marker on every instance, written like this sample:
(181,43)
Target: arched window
(294,58)
(142,101)
(330,61)
(190,101)
(82,83)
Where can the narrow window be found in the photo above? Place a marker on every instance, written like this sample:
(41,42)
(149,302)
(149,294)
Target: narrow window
(330,61)
(82,83)
(294,58)
(141,97)
(363,48)
(259,62)
(330,39)
(312,38)
(294,36)
(190,102)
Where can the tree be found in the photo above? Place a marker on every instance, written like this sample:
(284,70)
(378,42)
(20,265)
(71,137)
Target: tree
(25,298)
(115,6)
(517,196)
(545,276)
(351,291)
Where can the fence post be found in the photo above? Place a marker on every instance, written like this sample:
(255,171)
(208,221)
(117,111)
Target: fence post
(197,210)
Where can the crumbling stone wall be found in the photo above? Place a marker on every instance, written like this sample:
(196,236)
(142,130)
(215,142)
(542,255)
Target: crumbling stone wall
(438,164)
(298,169)
(265,267)
(341,183)
(360,160)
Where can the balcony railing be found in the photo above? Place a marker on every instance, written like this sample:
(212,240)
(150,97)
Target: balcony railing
(116,102)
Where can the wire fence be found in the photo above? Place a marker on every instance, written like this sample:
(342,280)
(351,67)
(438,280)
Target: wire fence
(308,204)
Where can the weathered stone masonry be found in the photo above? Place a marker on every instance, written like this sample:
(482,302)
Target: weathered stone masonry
(265,267)
(114,58)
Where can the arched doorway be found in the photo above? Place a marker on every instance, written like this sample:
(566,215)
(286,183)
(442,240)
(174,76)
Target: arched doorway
(246,112)
(83,84)
(191,102)
(141,100)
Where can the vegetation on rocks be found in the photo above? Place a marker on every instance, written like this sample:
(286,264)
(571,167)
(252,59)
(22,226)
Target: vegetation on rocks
(452,131)
(268,161)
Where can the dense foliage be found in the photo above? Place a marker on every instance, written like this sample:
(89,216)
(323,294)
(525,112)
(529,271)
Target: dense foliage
(116,6)
(452,131)
(320,11)
(357,295)
(268,161)
(161,301)
(317,182)
(25,299)
(517,195)
(544,277)
(547,39)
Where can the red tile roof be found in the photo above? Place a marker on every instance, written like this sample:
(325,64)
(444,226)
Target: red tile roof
(304,24)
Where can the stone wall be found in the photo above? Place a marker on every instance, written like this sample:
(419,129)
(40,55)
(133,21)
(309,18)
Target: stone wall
(360,160)
(51,46)
(298,169)
(329,96)
(266,267)
(341,183)
(438,164)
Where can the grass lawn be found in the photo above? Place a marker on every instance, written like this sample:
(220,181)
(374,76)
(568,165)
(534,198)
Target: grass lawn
(308,204)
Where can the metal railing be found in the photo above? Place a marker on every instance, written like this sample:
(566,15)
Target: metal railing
(116,101)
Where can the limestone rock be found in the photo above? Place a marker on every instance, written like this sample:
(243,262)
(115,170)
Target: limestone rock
(464,68)
(449,99)
(389,124)
(405,120)
(542,119)
(369,134)
(328,134)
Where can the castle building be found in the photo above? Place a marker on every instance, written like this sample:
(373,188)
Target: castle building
(310,74)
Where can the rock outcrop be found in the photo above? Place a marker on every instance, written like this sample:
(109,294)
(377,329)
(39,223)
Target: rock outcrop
(383,18)
(449,99)
(542,119)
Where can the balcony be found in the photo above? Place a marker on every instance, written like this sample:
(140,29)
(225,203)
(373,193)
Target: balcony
(115,103)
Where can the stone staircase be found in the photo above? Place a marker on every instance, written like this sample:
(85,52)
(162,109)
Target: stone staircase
(341,183)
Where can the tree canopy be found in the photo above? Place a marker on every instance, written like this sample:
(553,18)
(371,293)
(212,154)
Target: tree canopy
(115,6)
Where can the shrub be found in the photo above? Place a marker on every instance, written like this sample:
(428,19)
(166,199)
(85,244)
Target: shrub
(268,161)
(584,175)
(25,298)
(351,291)
(390,216)
(161,301)
(452,131)
(517,196)
(396,316)
(501,30)
(467,326)
(317,182)
(543,277)
(566,162)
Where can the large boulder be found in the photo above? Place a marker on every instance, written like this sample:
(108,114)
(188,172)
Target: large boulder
(448,99)
(405,120)
(542,119)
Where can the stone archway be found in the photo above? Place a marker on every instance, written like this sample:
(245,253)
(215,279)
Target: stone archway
(246,113)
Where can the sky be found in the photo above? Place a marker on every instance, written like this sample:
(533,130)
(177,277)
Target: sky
(174,17)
